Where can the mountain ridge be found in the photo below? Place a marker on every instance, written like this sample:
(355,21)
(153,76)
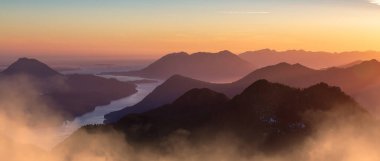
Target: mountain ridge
(204,66)
(313,59)
(296,75)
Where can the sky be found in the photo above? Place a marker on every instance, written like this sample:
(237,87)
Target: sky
(144,28)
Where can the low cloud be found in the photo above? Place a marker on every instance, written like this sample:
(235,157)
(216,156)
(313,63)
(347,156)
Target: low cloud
(377,2)
(338,137)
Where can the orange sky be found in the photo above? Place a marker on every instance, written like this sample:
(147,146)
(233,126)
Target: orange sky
(138,29)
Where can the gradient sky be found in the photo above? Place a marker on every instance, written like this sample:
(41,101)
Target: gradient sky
(155,27)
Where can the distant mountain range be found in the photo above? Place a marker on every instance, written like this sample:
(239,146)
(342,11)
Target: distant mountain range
(225,66)
(266,116)
(222,66)
(315,60)
(361,81)
(69,95)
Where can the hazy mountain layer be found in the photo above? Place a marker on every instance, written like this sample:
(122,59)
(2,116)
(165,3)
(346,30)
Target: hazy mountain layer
(221,66)
(68,95)
(316,60)
(360,81)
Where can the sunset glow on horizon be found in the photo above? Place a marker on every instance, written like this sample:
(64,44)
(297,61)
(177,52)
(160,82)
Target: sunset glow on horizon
(156,27)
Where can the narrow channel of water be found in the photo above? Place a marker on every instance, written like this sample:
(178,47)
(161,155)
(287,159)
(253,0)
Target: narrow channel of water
(97,116)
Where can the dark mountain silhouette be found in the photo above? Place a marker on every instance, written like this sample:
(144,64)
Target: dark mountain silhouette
(316,60)
(69,95)
(356,80)
(268,116)
(178,85)
(360,81)
(276,110)
(221,66)
(31,67)
(188,111)
(167,92)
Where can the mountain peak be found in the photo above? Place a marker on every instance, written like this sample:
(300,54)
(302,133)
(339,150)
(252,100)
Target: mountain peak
(220,53)
(178,54)
(287,65)
(31,67)
(201,96)
(371,61)
(206,66)
(262,85)
(27,60)
(225,52)
(367,64)
(177,77)
(174,55)
(178,80)
(283,64)
(265,51)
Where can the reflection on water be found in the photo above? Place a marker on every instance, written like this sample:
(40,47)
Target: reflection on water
(97,116)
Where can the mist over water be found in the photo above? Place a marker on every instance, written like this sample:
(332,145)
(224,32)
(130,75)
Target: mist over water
(337,138)
(334,140)
(201,80)
(102,68)
(97,116)
(21,107)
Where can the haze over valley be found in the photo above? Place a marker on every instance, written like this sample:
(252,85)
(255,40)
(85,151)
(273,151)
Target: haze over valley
(215,80)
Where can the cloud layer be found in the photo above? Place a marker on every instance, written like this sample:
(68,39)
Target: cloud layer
(377,2)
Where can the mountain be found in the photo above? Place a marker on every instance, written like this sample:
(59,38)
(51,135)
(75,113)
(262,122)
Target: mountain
(364,80)
(316,60)
(356,80)
(285,115)
(31,67)
(167,92)
(265,116)
(212,67)
(178,85)
(68,95)
(277,110)
(289,74)
(189,110)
